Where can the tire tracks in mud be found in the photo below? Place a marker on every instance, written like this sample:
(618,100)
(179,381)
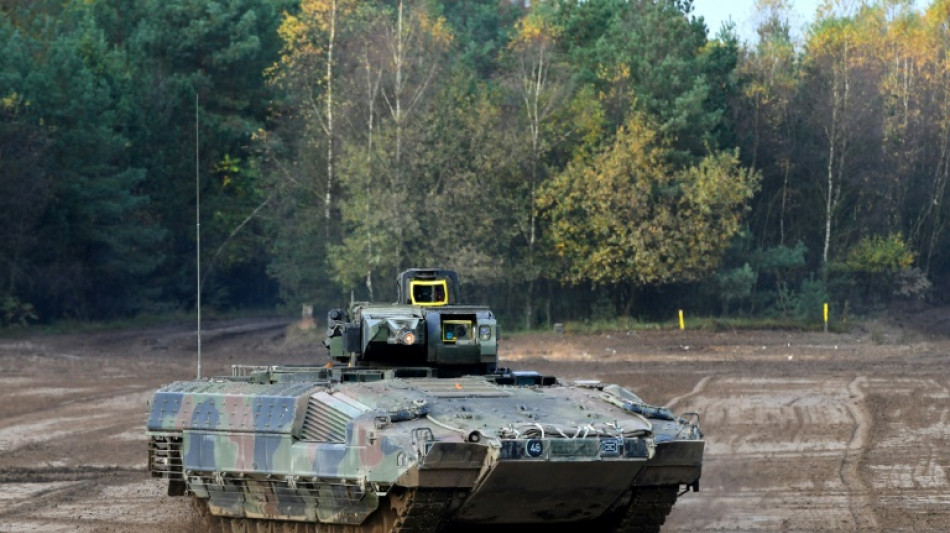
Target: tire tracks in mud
(65,484)
(184,339)
(62,473)
(859,504)
(89,499)
(91,414)
(75,401)
(697,389)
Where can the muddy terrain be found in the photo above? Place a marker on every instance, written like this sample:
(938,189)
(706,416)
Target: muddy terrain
(805,431)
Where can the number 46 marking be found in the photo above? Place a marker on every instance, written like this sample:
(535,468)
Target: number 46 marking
(534,447)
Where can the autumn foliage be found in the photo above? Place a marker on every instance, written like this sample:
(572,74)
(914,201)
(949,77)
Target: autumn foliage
(563,155)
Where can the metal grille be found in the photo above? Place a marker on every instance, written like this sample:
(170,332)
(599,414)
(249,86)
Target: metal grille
(328,415)
(164,457)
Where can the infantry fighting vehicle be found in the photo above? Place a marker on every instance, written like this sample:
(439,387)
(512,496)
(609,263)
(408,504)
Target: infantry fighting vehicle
(417,429)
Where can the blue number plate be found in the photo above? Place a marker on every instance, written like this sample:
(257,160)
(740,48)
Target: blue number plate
(534,448)
(611,447)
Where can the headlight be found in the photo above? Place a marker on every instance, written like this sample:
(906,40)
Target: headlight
(484,332)
(407,337)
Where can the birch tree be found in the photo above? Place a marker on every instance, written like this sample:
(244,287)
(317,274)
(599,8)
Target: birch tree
(844,89)
(307,70)
(541,87)
(931,48)
(772,73)
(400,58)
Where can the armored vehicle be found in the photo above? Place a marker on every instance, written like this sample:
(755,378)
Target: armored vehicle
(414,427)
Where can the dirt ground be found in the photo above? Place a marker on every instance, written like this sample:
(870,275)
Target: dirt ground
(805,431)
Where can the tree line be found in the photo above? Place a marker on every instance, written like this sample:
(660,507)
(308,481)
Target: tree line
(571,159)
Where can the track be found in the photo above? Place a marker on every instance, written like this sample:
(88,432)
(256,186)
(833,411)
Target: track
(648,510)
(427,511)
(400,512)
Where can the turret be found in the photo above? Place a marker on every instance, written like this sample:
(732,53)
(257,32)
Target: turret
(425,327)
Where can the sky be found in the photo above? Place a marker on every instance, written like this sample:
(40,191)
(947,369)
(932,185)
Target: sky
(718,11)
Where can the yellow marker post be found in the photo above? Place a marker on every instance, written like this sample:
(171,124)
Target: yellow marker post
(682,323)
(826,317)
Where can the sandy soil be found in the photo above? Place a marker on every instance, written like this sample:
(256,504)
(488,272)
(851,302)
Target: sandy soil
(805,431)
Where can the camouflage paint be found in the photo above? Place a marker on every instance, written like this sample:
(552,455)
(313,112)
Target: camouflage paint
(244,447)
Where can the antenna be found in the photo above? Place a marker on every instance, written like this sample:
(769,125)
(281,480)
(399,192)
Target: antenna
(198,232)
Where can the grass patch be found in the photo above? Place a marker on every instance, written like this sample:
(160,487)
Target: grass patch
(594,327)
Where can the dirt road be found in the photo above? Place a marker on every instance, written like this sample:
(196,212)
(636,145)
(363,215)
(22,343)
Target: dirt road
(805,431)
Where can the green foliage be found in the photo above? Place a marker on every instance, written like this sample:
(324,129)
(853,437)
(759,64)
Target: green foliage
(878,254)
(780,258)
(541,149)
(216,52)
(380,220)
(13,312)
(808,303)
(95,226)
(298,263)
(105,94)
(459,157)
(626,216)
(481,29)
(25,193)
(781,266)
(879,267)
(675,76)
(734,284)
